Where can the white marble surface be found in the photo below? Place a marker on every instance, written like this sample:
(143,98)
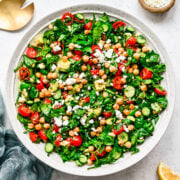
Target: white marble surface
(167,27)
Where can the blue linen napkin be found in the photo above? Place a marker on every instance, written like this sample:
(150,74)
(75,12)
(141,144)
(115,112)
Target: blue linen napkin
(16,162)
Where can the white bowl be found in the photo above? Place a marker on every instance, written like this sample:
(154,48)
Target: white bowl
(54,160)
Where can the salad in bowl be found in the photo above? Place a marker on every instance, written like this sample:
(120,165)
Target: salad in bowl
(89,89)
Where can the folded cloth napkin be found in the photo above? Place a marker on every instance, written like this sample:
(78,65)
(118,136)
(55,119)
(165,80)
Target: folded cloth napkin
(16,162)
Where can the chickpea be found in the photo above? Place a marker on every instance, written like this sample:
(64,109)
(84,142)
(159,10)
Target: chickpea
(123,80)
(126,112)
(49,76)
(78,80)
(61,86)
(69,87)
(143,87)
(89,162)
(80,85)
(95,60)
(71,133)
(136,56)
(115,106)
(68,113)
(136,72)
(50,26)
(97,134)
(113,46)
(130,70)
(128,144)
(138,113)
(71,46)
(138,50)
(119,101)
(36,100)
(121,142)
(81,103)
(135,66)
(48,93)
(102,42)
(42,94)
(121,50)
(42,120)
(93,133)
(102,122)
(145,49)
(64,58)
(83,67)
(76,129)
(86,32)
(54,75)
(99,129)
(65,118)
(104,76)
(125,53)
(101,72)
(91,148)
(69,54)
(112,69)
(77,89)
(131,106)
(130,127)
(30,125)
(105,94)
(38,74)
(84,81)
(106,65)
(108,149)
(46,126)
(107,46)
(118,45)
(38,127)
(85,58)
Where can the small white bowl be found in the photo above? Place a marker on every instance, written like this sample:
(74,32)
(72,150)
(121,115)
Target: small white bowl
(54,160)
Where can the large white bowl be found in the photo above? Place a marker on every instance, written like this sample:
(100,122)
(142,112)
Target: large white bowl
(54,160)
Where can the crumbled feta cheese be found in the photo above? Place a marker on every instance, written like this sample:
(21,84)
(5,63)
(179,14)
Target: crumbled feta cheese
(83,120)
(120,58)
(75,75)
(100,45)
(69,109)
(38,81)
(100,118)
(58,121)
(21,99)
(108,41)
(42,66)
(69,28)
(77,97)
(111,134)
(97,93)
(111,84)
(125,85)
(95,76)
(53,68)
(76,107)
(82,75)
(57,48)
(77,46)
(125,128)
(65,123)
(109,53)
(93,129)
(124,76)
(86,107)
(89,88)
(70,81)
(99,55)
(100,81)
(75,133)
(118,114)
(91,121)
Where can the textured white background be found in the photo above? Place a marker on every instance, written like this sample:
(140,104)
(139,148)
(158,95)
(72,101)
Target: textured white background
(167,27)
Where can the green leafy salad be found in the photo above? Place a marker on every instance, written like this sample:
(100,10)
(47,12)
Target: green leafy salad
(89,89)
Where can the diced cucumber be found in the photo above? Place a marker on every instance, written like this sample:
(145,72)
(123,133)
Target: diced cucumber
(132,118)
(29,102)
(156,107)
(130,29)
(116,155)
(141,39)
(57,95)
(109,121)
(78,163)
(79,16)
(146,111)
(105,27)
(129,91)
(147,81)
(142,54)
(49,147)
(82,159)
(142,95)
(123,137)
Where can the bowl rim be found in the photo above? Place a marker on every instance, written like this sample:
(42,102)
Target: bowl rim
(9,101)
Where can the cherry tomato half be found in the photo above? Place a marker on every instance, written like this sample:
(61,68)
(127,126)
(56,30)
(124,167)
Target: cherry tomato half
(33,136)
(76,57)
(58,140)
(78,20)
(131,41)
(47,101)
(35,117)
(70,141)
(94,48)
(24,73)
(57,106)
(43,80)
(87,99)
(42,135)
(160,92)
(78,52)
(95,71)
(119,131)
(102,154)
(107,114)
(40,86)
(118,24)
(77,141)
(65,94)
(88,26)
(146,74)
(93,157)
(56,128)
(24,111)
(31,52)
(67,18)
(117,83)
